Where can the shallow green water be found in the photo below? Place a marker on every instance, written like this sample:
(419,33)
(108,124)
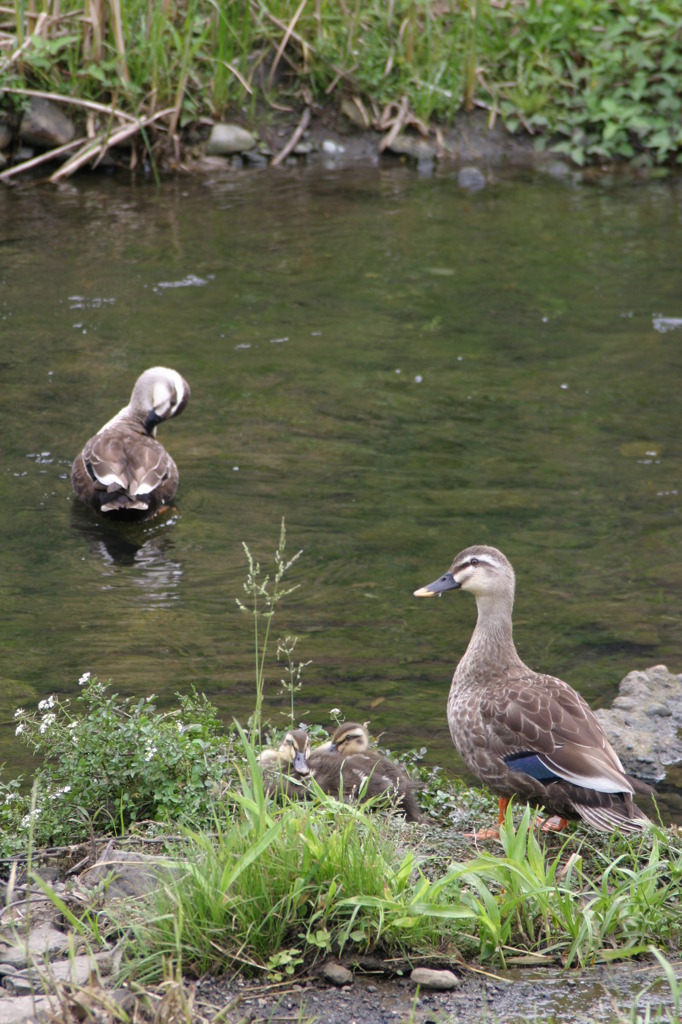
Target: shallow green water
(400,369)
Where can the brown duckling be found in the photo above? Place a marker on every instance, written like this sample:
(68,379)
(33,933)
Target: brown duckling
(348,738)
(286,769)
(348,769)
(292,753)
(123,468)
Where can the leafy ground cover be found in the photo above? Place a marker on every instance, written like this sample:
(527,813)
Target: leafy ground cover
(598,80)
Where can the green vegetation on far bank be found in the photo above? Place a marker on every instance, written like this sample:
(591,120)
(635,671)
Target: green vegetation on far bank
(598,80)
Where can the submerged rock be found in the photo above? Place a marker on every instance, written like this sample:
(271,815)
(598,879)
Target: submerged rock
(226,139)
(644,720)
(471,179)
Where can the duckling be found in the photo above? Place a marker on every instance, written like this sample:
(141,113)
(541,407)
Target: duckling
(347,768)
(123,468)
(347,738)
(523,733)
(292,753)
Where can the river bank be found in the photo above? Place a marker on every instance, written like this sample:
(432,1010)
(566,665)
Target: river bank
(598,85)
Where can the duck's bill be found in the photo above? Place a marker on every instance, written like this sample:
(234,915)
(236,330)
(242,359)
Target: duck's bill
(447,582)
(300,763)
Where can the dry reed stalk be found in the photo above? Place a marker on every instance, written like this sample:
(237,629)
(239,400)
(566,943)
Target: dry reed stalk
(117,25)
(94,32)
(43,158)
(57,97)
(283,45)
(98,147)
(240,78)
(26,43)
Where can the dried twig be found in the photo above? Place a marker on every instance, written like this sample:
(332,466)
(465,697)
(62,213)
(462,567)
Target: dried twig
(396,127)
(293,141)
(43,158)
(57,97)
(283,45)
(26,43)
(99,146)
(240,78)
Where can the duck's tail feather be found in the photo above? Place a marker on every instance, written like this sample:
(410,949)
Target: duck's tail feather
(624,815)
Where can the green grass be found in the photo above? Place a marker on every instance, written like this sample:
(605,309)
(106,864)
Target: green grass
(599,80)
(272,889)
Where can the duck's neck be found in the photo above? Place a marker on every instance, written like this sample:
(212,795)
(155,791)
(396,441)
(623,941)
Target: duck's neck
(492,641)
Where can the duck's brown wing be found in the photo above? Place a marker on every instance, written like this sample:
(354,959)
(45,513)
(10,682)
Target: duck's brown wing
(541,726)
(133,469)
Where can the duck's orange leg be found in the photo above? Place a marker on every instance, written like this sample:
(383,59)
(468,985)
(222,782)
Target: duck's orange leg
(553,824)
(492,833)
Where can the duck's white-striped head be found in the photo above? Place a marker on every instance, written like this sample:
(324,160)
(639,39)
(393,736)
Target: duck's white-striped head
(482,570)
(159,394)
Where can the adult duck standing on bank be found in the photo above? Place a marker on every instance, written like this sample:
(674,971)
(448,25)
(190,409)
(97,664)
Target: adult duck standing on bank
(523,733)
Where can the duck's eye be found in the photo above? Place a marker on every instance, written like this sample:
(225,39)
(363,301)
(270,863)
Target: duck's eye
(473,561)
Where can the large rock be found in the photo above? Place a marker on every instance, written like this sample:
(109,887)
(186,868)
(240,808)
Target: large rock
(45,124)
(644,720)
(74,969)
(126,874)
(43,942)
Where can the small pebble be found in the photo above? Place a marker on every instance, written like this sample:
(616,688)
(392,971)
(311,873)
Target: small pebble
(336,974)
(428,978)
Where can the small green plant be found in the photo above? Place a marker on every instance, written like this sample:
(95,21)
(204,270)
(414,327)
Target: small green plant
(294,669)
(109,761)
(264,592)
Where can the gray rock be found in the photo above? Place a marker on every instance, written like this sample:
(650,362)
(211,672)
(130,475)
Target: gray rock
(43,941)
(356,113)
(45,124)
(471,179)
(305,147)
(336,974)
(443,981)
(23,1009)
(75,969)
(126,874)
(644,721)
(416,148)
(226,139)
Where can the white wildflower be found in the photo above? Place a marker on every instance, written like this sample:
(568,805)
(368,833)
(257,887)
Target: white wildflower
(84,678)
(149,753)
(335,711)
(27,818)
(43,705)
(47,721)
(72,725)
(11,796)
(19,729)
(19,712)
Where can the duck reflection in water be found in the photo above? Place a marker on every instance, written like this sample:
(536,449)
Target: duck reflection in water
(145,549)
